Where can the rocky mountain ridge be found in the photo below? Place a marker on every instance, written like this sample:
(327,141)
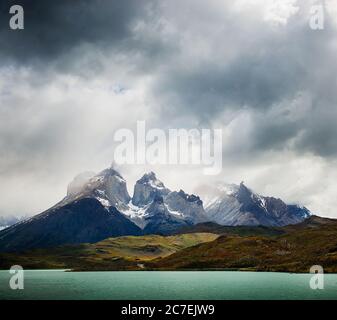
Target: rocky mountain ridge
(98,206)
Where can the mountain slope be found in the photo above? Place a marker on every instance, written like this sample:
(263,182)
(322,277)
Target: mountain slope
(84,220)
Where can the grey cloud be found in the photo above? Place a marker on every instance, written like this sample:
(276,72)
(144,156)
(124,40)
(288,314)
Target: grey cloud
(268,72)
(267,66)
(319,132)
(53,28)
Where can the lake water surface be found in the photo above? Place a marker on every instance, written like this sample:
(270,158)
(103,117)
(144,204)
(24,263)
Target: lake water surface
(221,285)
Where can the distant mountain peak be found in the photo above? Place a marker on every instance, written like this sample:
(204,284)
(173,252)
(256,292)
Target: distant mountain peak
(230,204)
(110,172)
(149,176)
(244,193)
(150,179)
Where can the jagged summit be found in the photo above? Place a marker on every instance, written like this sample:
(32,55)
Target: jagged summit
(148,177)
(146,188)
(190,197)
(151,180)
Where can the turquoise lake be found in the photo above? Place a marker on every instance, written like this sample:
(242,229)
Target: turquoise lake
(220,285)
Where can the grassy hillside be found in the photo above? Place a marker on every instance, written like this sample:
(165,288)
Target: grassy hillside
(243,231)
(110,254)
(310,243)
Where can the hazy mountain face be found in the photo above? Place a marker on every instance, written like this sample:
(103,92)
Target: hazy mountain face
(108,187)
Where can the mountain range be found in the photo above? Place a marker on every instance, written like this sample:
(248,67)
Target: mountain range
(98,206)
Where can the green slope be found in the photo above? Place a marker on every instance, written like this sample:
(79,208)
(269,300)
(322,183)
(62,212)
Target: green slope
(244,231)
(111,254)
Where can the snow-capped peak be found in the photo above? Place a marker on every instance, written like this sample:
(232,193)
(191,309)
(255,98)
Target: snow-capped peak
(151,180)
(108,187)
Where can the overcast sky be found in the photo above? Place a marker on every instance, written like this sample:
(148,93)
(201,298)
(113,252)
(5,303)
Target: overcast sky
(80,70)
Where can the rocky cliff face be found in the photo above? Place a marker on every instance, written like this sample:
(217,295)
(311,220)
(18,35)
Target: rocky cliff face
(156,209)
(189,206)
(147,188)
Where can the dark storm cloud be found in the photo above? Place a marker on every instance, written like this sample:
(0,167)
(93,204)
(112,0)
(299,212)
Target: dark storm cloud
(319,130)
(267,69)
(53,28)
(264,78)
(273,68)
(310,125)
(251,81)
